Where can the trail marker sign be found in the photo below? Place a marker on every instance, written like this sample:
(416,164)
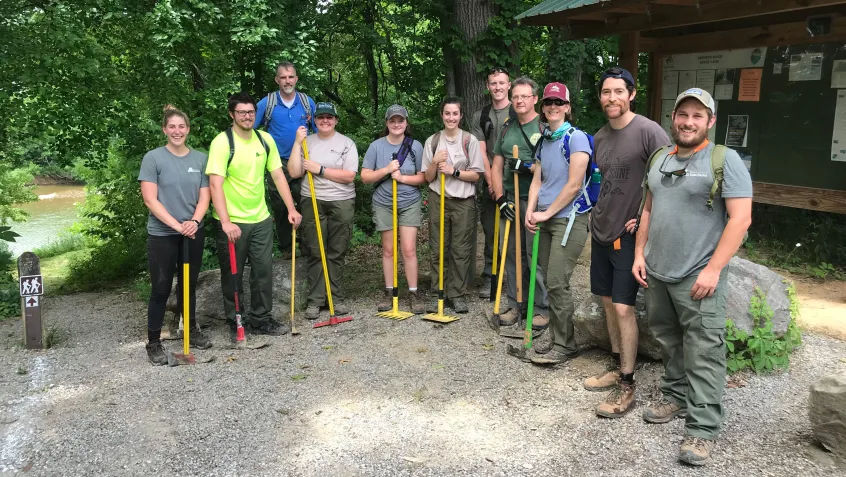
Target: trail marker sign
(32,287)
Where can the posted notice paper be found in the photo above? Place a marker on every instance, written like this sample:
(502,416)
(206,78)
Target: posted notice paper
(705,80)
(737,131)
(838,140)
(750,85)
(670,85)
(724,87)
(806,67)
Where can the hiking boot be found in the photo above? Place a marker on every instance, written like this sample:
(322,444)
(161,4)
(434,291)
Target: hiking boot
(553,357)
(542,344)
(663,412)
(156,353)
(340,308)
(312,313)
(459,305)
(485,288)
(540,322)
(696,450)
(270,327)
(432,306)
(509,318)
(603,381)
(199,340)
(414,303)
(386,303)
(619,402)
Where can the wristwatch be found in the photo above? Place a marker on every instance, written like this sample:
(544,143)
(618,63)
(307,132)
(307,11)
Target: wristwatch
(456,173)
(322,169)
(196,222)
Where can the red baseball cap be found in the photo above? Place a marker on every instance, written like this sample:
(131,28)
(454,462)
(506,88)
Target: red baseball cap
(556,90)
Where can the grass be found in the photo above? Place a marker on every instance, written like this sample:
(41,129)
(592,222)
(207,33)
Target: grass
(56,270)
(66,242)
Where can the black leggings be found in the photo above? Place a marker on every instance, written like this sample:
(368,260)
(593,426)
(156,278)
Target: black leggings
(164,254)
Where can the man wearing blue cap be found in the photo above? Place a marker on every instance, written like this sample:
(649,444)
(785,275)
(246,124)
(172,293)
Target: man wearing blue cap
(622,149)
(684,244)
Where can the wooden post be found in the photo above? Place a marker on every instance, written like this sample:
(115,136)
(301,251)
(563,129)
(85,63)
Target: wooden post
(627,49)
(656,83)
(31,289)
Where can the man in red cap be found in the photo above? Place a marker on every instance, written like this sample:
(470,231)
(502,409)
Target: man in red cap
(622,148)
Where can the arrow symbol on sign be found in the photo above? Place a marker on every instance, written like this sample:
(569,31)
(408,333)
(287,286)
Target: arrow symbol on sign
(32,302)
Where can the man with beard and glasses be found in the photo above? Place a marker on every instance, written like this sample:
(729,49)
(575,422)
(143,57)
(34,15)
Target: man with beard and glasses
(622,149)
(281,113)
(684,243)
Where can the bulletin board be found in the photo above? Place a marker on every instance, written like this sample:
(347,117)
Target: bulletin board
(782,108)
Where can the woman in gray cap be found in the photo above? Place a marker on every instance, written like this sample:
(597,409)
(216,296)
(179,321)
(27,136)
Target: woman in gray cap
(396,157)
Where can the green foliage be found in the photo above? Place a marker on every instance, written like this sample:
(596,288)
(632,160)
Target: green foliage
(762,351)
(10,302)
(66,242)
(14,189)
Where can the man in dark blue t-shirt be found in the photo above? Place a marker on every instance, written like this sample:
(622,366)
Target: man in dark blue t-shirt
(289,111)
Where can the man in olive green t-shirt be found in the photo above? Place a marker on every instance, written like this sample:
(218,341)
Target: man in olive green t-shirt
(237,191)
(525,133)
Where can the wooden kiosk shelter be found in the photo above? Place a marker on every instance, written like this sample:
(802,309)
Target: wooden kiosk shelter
(776,68)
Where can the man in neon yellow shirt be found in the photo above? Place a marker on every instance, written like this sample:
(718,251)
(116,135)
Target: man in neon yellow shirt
(238,158)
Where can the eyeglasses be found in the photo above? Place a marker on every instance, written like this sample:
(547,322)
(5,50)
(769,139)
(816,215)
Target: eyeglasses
(555,101)
(678,173)
(245,114)
(497,69)
(521,98)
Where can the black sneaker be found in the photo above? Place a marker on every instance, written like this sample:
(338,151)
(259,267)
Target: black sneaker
(157,353)
(199,340)
(270,327)
(459,305)
(485,288)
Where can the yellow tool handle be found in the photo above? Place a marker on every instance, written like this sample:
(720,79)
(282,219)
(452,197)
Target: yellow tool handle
(517,255)
(441,245)
(319,235)
(396,240)
(496,239)
(501,267)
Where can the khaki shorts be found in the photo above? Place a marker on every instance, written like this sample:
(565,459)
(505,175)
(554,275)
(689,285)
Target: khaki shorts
(411,216)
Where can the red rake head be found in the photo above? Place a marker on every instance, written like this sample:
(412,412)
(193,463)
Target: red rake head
(332,321)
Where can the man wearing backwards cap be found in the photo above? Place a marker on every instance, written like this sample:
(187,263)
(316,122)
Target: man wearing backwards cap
(683,247)
(622,149)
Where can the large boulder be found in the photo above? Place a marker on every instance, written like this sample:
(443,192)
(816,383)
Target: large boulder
(827,412)
(744,277)
(210,297)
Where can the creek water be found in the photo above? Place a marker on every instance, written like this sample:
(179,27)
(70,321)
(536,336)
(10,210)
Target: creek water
(55,211)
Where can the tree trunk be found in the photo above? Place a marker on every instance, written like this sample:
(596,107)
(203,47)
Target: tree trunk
(447,24)
(370,61)
(472,18)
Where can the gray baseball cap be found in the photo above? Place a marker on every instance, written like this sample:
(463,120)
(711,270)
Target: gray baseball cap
(701,95)
(396,110)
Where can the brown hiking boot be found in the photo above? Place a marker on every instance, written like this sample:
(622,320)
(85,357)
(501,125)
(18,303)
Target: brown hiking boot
(603,381)
(509,317)
(696,450)
(619,402)
(663,412)
(386,303)
(414,303)
(540,322)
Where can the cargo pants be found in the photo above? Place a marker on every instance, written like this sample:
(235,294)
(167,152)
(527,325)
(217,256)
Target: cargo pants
(459,215)
(692,338)
(336,226)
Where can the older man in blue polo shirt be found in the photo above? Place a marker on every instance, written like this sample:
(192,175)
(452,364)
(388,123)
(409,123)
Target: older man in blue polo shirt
(289,110)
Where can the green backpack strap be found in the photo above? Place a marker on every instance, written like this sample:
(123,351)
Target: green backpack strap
(718,161)
(645,186)
(231,140)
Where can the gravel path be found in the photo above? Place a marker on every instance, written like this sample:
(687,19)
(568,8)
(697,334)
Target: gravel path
(372,397)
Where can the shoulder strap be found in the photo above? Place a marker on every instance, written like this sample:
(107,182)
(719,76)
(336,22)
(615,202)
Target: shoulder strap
(485,122)
(658,152)
(268,109)
(532,147)
(307,107)
(466,144)
(718,161)
(436,138)
(231,148)
(264,145)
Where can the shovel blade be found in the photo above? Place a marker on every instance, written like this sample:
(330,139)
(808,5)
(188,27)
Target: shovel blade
(178,359)
(493,319)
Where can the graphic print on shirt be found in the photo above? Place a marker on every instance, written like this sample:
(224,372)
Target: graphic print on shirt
(616,171)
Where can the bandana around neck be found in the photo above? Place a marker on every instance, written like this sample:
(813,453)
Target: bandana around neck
(554,136)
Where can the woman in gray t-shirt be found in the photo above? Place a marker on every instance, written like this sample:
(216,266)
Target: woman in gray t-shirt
(396,156)
(176,190)
(558,179)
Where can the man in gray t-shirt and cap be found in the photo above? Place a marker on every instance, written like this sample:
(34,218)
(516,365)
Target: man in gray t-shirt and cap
(688,232)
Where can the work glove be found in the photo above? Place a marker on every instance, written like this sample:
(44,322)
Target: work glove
(506,208)
(521,167)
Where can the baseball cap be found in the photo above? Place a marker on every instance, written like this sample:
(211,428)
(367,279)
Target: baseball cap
(396,110)
(325,108)
(556,90)
(701,95)
(617,72)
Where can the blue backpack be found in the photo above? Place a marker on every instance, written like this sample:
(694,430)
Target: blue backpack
(585,201)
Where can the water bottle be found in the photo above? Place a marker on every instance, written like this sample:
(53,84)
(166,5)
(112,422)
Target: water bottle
(596,177)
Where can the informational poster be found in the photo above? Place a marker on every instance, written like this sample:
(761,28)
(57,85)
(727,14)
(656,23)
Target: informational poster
(712,133)
(806,67)
(731,59)
(838,140)
(667,106)
(705,80)
(777,68)
(670,85)
(737,131)
(687,80)
(724,87)
(750,85)
(838,74)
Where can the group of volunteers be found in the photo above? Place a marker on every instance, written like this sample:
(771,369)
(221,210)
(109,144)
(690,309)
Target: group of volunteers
(667,215)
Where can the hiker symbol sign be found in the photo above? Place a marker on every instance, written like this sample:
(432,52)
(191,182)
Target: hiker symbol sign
(31,285)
